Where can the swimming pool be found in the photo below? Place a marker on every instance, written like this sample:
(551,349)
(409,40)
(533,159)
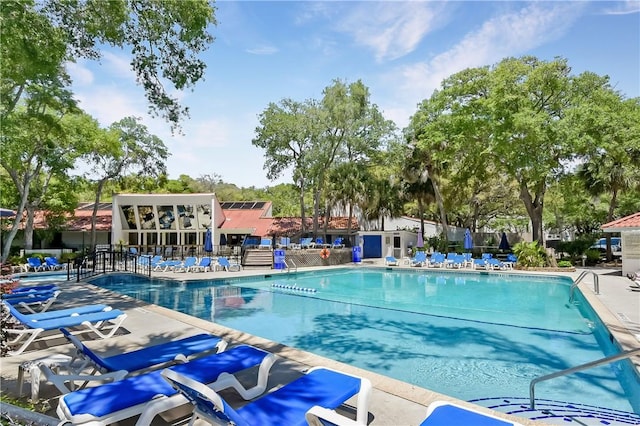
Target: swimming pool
(466,334)
(40,277)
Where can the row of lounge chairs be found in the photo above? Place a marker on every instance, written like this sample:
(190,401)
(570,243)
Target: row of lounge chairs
(456,261)
(190,264)
(149,381)
(305,243)
(34,264)
(103,320)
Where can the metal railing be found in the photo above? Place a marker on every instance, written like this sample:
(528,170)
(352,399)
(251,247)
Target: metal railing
(288,267)
(596,283)
(101,262)
(596,363)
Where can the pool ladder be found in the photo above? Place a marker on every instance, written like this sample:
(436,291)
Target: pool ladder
(596,363)
(289,268)
(596,283)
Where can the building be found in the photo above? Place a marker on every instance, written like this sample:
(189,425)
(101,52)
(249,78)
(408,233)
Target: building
(629,229)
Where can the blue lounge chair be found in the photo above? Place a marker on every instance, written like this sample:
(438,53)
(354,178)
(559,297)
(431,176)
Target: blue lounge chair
(391,261)
(420,259)
(35,264)
(437,260)
(285,242)
(35,288)
(35,324)
(186,265)
(313,396)
(228,266)
(203,266)
(32,302)
(265,243)
(511,260)
(337,243)
(167,265)
(479,263)
(440,413)
(118,366)
(495,264)
(53,264)
(150,394)
(307,243)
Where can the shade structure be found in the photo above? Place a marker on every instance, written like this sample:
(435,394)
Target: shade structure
(504,243)
(6,213)
(208,244)
(420,242)
(223,239)
(468,240)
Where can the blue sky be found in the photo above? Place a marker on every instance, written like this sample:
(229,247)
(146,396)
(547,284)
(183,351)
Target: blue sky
(267,51)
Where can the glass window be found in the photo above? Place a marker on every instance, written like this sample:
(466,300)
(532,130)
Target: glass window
(186,218)
(204,215)
(147,217)
(166,217)
(133,238)
(190,238)
(172,238)
(128,217)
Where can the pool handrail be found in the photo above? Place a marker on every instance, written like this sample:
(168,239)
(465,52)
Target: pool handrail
(585,366)
(596,284)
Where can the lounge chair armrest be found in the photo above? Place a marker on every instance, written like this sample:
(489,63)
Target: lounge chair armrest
(226,380)
(65,383)
(319,416)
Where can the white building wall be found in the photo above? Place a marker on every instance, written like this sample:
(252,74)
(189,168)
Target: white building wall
(630,251)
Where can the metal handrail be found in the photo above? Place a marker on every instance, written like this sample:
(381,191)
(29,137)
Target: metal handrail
(288,267)
(596,363)
(596,283)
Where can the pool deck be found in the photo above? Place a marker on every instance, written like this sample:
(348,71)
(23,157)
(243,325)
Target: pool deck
(393,402)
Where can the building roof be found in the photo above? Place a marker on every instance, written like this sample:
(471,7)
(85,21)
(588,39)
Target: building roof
(252,221)
(240,218)
(627,223)
(288,226)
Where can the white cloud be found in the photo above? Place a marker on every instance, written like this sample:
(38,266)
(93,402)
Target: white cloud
(263,50)
(509,34)
(623,8)
(109,104)
(118,65)
(391,29)
(79,73)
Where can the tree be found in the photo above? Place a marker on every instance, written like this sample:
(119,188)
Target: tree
(126,147)
(285,133)
(165,38)
(511,117)
(611,126)
(41,140)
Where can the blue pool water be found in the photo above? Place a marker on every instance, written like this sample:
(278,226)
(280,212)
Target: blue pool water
(42,277)
(468,335)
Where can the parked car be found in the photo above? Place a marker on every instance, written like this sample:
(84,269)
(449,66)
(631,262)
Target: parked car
(616,245)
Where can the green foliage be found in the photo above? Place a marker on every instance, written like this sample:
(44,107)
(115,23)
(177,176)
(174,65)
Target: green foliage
(530,254)
(438,242)
(565,264)
(578,247)
(593,256)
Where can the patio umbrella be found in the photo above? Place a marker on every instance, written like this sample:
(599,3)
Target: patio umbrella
(208,244)
(504,243)
(7,213)
(468,240)
(420,242)
(223,239)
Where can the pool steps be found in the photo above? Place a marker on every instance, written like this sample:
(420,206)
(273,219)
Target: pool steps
(559,412)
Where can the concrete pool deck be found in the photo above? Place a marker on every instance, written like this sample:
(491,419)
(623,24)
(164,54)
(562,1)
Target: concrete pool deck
(392,402)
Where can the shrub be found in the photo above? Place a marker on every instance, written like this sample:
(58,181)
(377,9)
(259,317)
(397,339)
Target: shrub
(565,264)
(530,254)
